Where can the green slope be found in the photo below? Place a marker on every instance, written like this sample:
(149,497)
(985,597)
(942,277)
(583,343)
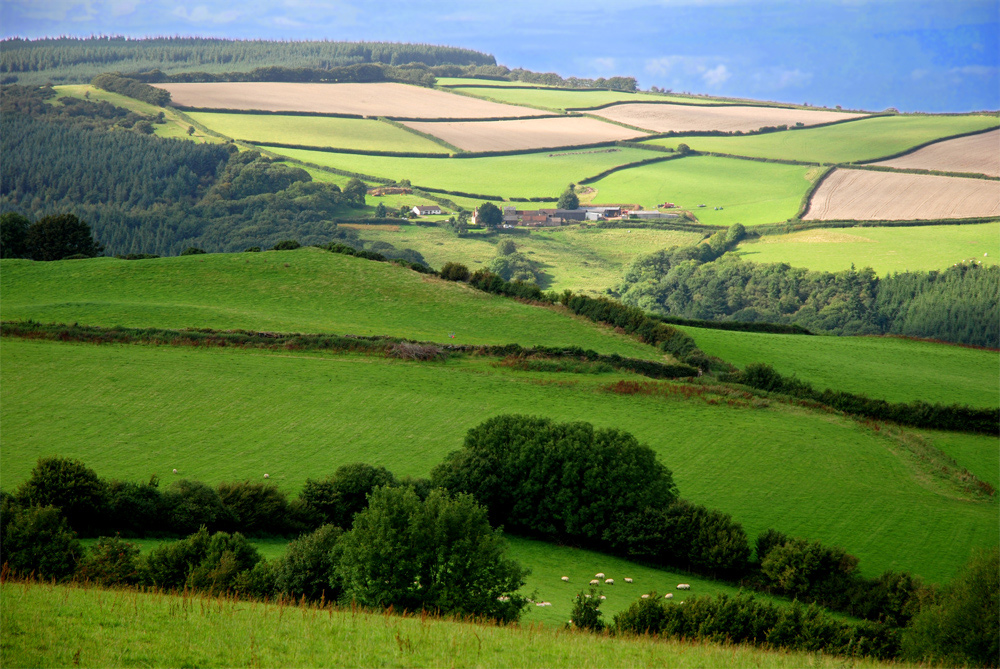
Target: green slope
(307,290)
(221,414)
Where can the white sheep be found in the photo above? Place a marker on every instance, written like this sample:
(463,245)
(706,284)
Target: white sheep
(645,596)
(267,476)
(566,579)
(683,586)
(603,597)
(599,575)
(175,471)
(595,582)
(628,580)
(609,581)
(669,595)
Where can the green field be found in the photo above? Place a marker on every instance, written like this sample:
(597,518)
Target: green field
(890,368)
(886,250)
(581,259)
(307,290)
(561,99)
(750,192)
(61,626)
(866,139)
(325,131)
(543,174)
(222,414)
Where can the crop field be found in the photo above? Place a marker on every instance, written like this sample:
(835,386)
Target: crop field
(542,174)
(749,192)
(886,250)
(106,628)
(223,414)
(541,133)
(569,257)
(684,118)
(307,290)
(890,368)
(380,99)
(977,153)
(865,195)
(341,133)
(865,139)
(561,99)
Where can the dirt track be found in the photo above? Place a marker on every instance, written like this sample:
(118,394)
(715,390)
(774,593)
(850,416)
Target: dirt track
(681,118)
(542,133)
(381,99)
(865,195)
(978,154)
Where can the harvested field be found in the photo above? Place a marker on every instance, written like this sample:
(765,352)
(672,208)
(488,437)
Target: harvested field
(865,195)
(684,118)
(381,99)
(541,133)
(979,154)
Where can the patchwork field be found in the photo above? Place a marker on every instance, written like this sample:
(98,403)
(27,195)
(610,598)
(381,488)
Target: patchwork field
(683,118)
(749,192)
(542,133)
(977,153)
(561,99)
(864,139)
(341,133)
(223,414)
(381,99)
(865,195)
(543,174)
(886,250)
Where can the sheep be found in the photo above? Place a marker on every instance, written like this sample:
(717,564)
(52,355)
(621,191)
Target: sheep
(669,595)
(628,580)
(683,586)
(267,476)
(595,582)
(599,575)
(566,579)
(603,597)
(609,581)
(175,471)
(645,596)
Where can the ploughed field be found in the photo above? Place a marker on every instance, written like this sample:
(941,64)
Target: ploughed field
(524,133)
(379,99)
(978,154)
(686,118)
(562,99)
(866,195)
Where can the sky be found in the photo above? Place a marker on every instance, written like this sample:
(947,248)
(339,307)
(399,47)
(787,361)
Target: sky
(914,55)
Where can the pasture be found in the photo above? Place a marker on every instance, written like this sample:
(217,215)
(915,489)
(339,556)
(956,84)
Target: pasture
(306,290)
(109,628)
(750,193)
(542,174)
(886,250)
(379,99)
(864,139)
(976,153)
(323,131)
(516,135)
(561,99)
(223,414)
(685,118)
(866,195)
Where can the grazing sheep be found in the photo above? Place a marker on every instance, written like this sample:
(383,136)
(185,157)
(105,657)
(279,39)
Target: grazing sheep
(267,476)
(645,596)
(628,580)
(595,582)
(566,578)
(603,597)
(669,595)
(599,575)
(609,581)
(683,586)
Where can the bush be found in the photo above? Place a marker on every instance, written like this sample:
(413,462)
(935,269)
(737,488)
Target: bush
(586,613)
(339,497)
(134,509)
(60,237)
(809,570)
(69,485)
(253,508)
(110,562)
(226,559)
(453,271)
(252,249)
(170,564)
(286,245)
(308,568)
(37,540)
(188,505)
(192,251)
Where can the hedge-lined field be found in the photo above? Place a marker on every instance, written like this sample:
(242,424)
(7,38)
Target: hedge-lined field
(561,99)
(220,414)
(307,290)
(886,250)
(750,192)
(541,174)
(865,139)
(324,131)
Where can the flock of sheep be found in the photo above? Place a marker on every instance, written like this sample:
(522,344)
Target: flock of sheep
(598,577)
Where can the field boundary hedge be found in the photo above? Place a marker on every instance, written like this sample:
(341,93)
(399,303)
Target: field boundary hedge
(806,200)
(917,170)
(703,228)
(413,131)
(266,112)
(925,144)
(798,225)
(617,168)
(737,326)
(477,119)
(356,152)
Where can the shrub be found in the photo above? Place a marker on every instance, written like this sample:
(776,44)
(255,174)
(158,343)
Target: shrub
(339,497)
(767,540)
(286,245)
(586,613)
(134,509)
(60,237)
(226,558)
(192,251)
(69,485)
(37,540)
(308,568)
(253,507)
(111,561)
(169,564)
(809,570)
(188,505)
(453,271)
(252,249)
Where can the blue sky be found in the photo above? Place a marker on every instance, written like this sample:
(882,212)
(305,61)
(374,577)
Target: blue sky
(915,55)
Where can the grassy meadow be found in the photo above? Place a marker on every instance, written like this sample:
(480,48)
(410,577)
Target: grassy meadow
(324,131)
(886,250)
(58,626)
(750,192)
(543,174)
(306,290)
(223,414)
(865,139)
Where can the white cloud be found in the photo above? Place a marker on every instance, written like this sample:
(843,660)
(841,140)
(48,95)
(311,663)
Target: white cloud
(202,14)
(779,78)
(604,64)
(975,70)
(716,76)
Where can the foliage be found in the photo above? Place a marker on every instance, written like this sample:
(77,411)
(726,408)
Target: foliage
(254,507)
(439,554)
(489,215)
(13,235)
(37,540)
(192,251)
(511,265)
(337,498)
(222,569)
(111,561)
(188,505)
(133,509)
(586,613)
(286,245)
(308,567)
(452,271)
(132,88)
(569,199)
(60,236)
(69,485)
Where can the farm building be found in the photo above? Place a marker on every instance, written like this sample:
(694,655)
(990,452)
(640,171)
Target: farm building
(651,214)
(510,215)
(428,210)
(536,219)
(565,214)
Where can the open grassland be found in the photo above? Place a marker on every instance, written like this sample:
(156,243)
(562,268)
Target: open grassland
(380,99)
(685,118)
(979,154)
(542,174)
(749,192)
(865,139)
(221,415)
(307,290)
(561,99)
(539,133)
(866,195)
(886,250)
(325,131)
(890,368)
(578,258)
(175,127)
(59,626)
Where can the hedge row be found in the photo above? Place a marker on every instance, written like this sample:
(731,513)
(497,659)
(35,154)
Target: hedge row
(797,225)
(737,326)
(132,88)
(938,173)
(912,149)
(807,196)
(640,163)
(265,112)
(656,225)
(413,131)
(472,119)
(332,149)
(521,152)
